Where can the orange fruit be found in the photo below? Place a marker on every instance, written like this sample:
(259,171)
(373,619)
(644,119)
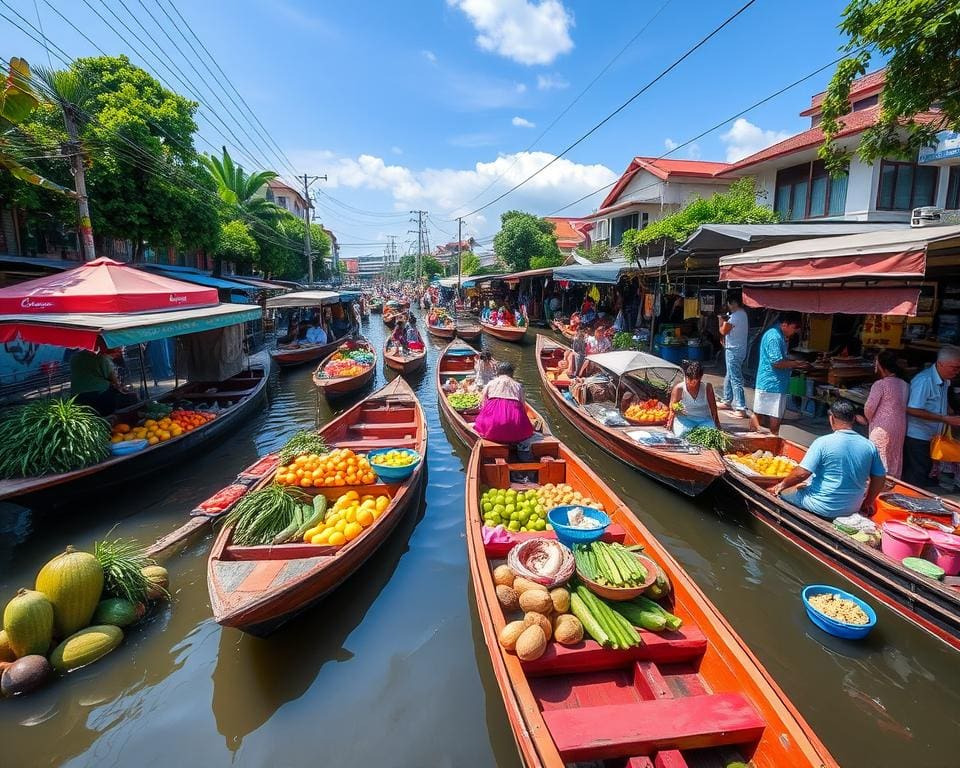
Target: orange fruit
(337,539)
(352,531)
(153,440)
(365,517)
(306,481)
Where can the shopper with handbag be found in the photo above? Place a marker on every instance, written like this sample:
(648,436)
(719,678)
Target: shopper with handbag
(927,414)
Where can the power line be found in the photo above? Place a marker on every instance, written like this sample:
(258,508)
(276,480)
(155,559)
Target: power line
(690,51)
(354,209)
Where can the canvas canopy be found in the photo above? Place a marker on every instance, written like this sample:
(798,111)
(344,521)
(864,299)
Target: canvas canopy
(303,299)
(628,361)
(608,273)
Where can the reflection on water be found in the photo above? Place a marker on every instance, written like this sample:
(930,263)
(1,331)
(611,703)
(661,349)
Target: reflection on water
(391,669)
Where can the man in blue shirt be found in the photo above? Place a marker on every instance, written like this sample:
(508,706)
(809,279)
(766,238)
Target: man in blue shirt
(773,373)
(844,469)
(927,412)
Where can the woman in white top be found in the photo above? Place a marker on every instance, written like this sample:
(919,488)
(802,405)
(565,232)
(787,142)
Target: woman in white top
(698,401)
(485,369)
(503,414)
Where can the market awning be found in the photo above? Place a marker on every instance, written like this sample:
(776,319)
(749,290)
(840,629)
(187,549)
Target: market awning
(303,299)
(103,285)
(202,278)
(837,300)
(898,254)
(626,361)
(608,273)
(735,237)
(84,331)
(263,285)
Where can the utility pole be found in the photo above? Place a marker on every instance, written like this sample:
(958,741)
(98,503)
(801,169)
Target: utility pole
(459,253)
(422,240)
(72,147)
(307,251)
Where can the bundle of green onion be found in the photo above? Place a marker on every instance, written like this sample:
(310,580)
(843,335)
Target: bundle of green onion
(123,562)
(47,437)
(710,437)
(259,516)
(303,442)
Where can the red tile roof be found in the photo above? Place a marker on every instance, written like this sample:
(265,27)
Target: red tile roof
(665,169)
(855,122)
(567,236)
(859,89)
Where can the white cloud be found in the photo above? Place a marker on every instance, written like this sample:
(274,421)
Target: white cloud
(429,56)
(744,138)
(693,151)
(524,31)
(551,83)
(670,143)
(396,150)
(520,87)
(522,122)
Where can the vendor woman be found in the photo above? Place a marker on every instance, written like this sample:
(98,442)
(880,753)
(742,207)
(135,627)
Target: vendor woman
(93,380)
(503,415)
(699,405)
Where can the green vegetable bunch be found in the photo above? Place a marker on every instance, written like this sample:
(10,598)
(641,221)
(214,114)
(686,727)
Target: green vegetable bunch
(303,441)
(260,516)
(710,437)
(51,436)
(612,565)
(623,340)
(123,562)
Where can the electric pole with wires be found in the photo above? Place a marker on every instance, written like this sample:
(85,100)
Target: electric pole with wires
(307,251)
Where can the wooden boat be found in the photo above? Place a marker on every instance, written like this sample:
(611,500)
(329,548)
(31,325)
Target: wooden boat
(302,353)
(391,316)
(688,472)
(931,604)
(256,589)
(237,397)
(504,332)
(457,360)
(343,385)
(693,697)
(563,329)
(405,364)
(376,306)
(468,331)
(442,331)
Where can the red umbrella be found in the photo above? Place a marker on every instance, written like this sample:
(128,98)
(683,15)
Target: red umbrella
(100,286)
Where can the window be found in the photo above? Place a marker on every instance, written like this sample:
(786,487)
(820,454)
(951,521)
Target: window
(865,103)
(807,191)
(904,186)
(602,229)
(953,190)
(282,201)
(621,224)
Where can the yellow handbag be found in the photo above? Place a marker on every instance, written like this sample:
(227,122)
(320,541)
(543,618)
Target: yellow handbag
(945,447)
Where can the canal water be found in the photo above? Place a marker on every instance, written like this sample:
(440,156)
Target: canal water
(391,669)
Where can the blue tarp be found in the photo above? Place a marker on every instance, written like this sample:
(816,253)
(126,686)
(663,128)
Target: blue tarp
(201,278)
(592,273)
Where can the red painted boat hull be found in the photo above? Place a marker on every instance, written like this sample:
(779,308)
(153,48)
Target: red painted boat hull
(505,333)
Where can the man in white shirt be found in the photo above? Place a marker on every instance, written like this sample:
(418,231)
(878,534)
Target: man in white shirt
(927,412)
(734,331)
(316,334)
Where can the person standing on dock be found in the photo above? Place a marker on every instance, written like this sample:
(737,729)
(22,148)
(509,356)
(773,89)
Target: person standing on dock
(927,412)
(773,373)
(734,331)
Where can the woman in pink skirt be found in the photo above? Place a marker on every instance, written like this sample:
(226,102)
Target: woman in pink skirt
(503,416)
(886,412)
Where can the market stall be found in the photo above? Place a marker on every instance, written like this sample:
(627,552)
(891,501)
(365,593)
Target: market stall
(337,318)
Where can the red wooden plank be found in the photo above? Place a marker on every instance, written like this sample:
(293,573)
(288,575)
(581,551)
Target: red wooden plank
(669,758)
(649,682)
(639,762)
(599,733)
(686,645)
(261,576)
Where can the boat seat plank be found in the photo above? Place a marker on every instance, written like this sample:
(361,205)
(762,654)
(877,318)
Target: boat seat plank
(639,762)
(388,415)
(409,427)
(371,443)
(590,689)
(597,733)
(686,644)
(670,758)
(649,682)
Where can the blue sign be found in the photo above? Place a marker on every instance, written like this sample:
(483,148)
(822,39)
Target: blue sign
(947,146)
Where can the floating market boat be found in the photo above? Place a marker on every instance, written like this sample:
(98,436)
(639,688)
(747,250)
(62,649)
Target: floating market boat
(688,469)
(695,696)
(235,399)
(563,329)
(256,589)
(457,361)
(391,315)
(337,386)
(928,602)
(404,364)
(443,331)
(504,332)
(302,352)
(468,331)
(376,306)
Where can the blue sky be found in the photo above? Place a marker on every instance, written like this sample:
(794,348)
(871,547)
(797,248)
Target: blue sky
(425,104)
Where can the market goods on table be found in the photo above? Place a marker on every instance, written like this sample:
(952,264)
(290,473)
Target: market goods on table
(347,519)
(345,363)
(764,463)
(647,412)
(155,410)
(52,436)
(464,401)
(160,430)
(75,614)
(709,437)
(839,608)
(338,467)
(396,458)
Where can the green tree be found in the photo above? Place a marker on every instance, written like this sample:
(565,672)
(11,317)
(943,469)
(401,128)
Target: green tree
(547,260)
(738,205)
(597,253)
(920,42)
(281,249)
(235,245)
(429,266)
(240,190)
(524,237)
(469,263)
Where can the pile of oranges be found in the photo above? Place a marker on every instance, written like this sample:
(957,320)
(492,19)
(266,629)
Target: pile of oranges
(339,467)
(347,519)
(160,430)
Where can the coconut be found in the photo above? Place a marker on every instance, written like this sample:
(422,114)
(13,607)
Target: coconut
(508,597)
(522,585)
(510,634)
(569,631)
(536,600)
(533,618)
(503,574)
(560,599)
(531,644)
(25,674)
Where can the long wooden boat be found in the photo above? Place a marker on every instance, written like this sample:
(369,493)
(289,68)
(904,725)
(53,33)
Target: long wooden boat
(344,385)
(442,331)
(237,399)
(931,604)
(469,331)
(504,332)
(257,589)
(302,353)
(688,472)
(457,361)
(693,697)
(404,364)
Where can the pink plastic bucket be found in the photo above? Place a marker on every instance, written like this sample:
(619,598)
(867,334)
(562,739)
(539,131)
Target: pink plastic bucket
(899,540)
(945,552)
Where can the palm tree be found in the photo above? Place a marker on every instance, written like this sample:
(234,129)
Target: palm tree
(238,189)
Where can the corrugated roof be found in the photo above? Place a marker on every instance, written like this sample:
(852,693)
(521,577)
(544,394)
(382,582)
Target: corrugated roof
(859,88)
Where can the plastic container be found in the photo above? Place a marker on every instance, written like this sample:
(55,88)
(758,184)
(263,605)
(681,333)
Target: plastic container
(899,540)
(832,626)
(557,517)
(944,550)
(127,447)
(394,474)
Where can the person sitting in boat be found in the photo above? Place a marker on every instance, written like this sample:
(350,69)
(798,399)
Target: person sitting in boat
(574,358)
(698,401)
(340,324)
(503,416)
(588,310)
(414,340)
(506,317)
(843,472)
(292,335)
(93,380)
(315,333)
(398,339)
(574,324)
(595,387)
(485,369)
(487,315)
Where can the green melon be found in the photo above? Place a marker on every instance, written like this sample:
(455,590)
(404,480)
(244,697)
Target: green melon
(159,581)
(72,582)
(28,623)
(85,647)
(117,611)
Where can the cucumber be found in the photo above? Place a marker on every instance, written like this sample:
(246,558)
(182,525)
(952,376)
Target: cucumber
(581,611)
(653,621)
(673,622)
(316,515)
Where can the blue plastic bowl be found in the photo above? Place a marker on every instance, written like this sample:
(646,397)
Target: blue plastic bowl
(557,517)
(127,447)
(832,626)
(394,474)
